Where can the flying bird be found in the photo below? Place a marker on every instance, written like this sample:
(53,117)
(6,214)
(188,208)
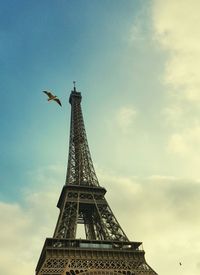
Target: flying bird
(52,97)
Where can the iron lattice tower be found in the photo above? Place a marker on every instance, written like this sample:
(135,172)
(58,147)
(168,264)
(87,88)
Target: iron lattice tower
(106,249)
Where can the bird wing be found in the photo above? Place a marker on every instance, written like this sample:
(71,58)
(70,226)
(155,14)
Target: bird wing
(58,101)
(48,93)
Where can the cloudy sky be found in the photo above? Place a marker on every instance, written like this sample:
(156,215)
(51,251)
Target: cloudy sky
(137,64)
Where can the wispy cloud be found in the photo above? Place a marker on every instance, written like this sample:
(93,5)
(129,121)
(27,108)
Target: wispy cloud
(176,28)
(125,118)
(140,30)
(176,24)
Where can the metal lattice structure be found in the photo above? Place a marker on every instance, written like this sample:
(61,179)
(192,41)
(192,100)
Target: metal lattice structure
(106,249)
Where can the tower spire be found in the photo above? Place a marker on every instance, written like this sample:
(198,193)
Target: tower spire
(74,82)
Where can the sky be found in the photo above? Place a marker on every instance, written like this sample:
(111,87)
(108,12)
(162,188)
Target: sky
(137,65)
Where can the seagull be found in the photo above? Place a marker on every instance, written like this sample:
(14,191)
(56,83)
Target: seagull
(52,97)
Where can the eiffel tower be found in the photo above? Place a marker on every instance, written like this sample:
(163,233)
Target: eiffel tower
(105,250)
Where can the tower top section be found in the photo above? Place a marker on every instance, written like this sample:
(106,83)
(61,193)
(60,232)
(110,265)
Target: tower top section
(75,95)
(80,169)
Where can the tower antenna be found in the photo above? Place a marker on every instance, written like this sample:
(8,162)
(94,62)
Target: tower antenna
(74,82)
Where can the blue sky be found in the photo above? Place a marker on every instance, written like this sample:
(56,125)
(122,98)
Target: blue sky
(47,45)
(137,66)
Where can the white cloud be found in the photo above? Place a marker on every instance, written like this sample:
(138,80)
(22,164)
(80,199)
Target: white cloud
(176,25)
(173,115)
(177,144)
(125,118)
(186,143)
(17,240)
(25,227)
(176,28)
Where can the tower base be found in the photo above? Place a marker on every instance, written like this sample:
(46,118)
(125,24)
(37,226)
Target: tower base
(85,257)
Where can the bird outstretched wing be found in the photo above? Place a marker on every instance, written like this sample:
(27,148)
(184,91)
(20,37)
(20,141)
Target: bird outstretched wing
(58,101)
(48,93)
